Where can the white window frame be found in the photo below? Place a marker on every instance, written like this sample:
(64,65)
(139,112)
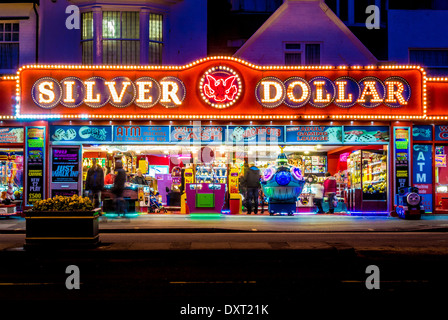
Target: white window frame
(4,22)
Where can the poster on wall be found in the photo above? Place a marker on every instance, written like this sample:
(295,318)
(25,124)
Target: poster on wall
(198,134)
(314,134)
(422,132)
(65,165)
(91,133)
(422,173)
(255,134)
(441,133)
(401,157)
(440,160)
(366,134)
(139,134)
(11,135)
(35,161)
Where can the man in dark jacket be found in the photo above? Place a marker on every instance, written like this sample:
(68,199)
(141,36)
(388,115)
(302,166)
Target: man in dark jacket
(139,178)
(118,189)
(95,183)
(252,178)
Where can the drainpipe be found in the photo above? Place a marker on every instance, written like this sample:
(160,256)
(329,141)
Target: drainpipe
(37,32)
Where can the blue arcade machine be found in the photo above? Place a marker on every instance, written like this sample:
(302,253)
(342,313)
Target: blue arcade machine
(282,184)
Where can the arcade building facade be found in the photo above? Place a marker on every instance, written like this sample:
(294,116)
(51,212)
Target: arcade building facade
(197,126)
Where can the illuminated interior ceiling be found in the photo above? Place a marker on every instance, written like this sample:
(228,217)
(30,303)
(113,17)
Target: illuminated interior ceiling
(177,149)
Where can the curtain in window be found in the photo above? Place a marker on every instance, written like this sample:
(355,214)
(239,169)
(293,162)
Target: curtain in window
(293,59)
(433,58)
(312,54)
(111,25)
(155,38)
(87,26)
(121,38)
(9,55)
(87,37)
(87,52)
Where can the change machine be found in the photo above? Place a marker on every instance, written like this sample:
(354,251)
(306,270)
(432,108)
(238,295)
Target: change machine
(188,179)
(235,198)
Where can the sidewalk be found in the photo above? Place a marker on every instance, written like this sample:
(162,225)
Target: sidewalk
(155,223)
(262,232)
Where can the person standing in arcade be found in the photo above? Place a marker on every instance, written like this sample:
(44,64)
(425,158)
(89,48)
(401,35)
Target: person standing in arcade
(330,190)
(118,189)
(252,178)
(318,190)
(95,183)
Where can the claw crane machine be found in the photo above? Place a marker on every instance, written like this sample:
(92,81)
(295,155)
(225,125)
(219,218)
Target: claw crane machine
(206,196)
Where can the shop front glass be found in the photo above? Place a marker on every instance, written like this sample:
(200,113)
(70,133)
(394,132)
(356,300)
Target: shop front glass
(441,179)
(367,171)
(11,174)
(361,175)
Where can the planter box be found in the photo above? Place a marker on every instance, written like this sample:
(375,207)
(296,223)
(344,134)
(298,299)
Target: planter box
(62,228)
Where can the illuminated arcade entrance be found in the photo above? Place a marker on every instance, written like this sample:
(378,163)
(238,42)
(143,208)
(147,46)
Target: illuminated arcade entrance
(339,119)
(361,173)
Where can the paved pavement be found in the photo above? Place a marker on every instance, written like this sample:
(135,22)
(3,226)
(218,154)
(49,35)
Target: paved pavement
(171,261)
(184,232)
(252,223)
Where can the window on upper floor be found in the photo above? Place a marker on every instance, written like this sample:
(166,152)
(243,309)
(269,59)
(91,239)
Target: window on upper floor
(9,45)
(87,38)
(434,60)
(353,12)
(298,53)
(155,38)
(121,38)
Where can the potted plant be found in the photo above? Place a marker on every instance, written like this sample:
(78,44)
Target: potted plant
(62,221)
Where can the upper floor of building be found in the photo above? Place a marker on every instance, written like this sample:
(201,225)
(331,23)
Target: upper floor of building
(177,32)
(135,32)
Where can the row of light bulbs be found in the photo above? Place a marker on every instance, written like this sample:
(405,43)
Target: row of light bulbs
(152,67)
(187,66)
(233,117)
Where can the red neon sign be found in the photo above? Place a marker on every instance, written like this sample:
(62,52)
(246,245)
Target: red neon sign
(221,90)
(220,87)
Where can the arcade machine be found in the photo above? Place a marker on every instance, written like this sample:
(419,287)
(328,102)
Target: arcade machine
(305,202)
(164,182)
(235,198)
(282,185)
(188,178)
(173,197)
